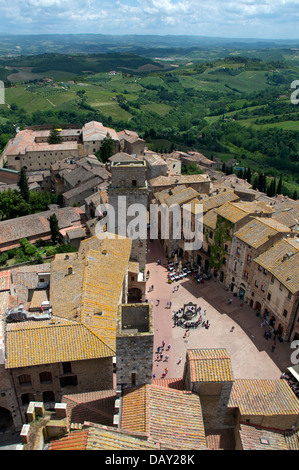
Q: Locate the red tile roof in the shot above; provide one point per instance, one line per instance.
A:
(166, 415)
(76, 440)
(96, 407)
(263, 397)
(4, 280)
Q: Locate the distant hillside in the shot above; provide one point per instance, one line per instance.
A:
(79, 64)
(96, 43)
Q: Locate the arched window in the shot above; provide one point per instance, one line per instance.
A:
(25, 379)
(45, 377)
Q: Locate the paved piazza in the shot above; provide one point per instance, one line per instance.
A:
(250, 352)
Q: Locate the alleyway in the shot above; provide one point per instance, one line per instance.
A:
(250, 352)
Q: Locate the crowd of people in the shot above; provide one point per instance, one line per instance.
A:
(293, 383)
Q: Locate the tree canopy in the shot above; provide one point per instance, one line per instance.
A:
(106, 150)
(54, 137)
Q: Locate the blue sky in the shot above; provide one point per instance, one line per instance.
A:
(273, 19)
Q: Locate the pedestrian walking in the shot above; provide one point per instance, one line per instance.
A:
(163, 343)
(166, 357)
(161, 356)
(180, 360)
(168, 347)
(232, 328)
(273, 348)
(158, 303)
(166, 370)
(152, 287)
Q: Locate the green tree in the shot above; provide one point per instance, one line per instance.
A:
(54, 227)
(39, 201)
(54, 137)
(191, 169)
(271, 190)
(23, 185)
(249, 175)
(279, 186)
(106, 150)
(12, 205)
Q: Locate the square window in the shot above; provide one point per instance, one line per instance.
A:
(67, 367)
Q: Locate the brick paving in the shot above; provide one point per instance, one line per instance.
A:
(250, 352)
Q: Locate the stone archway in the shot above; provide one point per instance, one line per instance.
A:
(6, 421)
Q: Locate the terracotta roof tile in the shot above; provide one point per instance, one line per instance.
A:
(210, 365)
(282, 260)
(216, 201)
(170, 416)
(97, 407)
(76, 440)
(263, 397)
(258, 231)
(258, 438)
(32, 225)
(98, 272)
(46, 343)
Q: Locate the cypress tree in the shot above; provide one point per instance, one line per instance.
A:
(53, 221)
(279, 186)
(248, 175)
(23, 185)
(107, 148)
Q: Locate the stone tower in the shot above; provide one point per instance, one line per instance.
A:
(129, 187)
(134, 345)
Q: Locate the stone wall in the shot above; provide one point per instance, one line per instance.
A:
(92, 375)
(8, 399)
(39, 159)
(134, 345)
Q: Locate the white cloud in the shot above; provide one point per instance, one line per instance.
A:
(243, 18)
